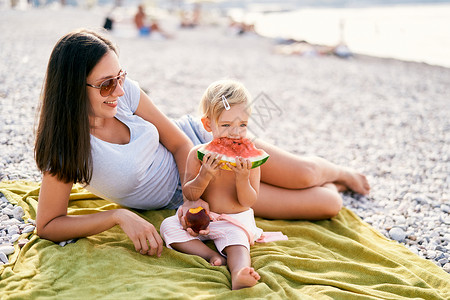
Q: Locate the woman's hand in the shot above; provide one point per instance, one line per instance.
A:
(181, 212)
(142, 233)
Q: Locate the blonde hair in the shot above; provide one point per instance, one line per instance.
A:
(211, 104)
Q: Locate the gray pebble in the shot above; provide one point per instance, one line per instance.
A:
(23, 242)
(11, 222)
(6, 249)
(445, 219)
(398, 234)
(445, 208)
(14, 238)
(3, 258)
(431, 254)
(446, 237)
(414, 249)
(18, 213)
(28, 228)
(8, 211)
(13, 229)
(447, 267)
(399, 219)
(443, 261)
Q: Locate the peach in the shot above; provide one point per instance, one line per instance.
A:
(197, 219)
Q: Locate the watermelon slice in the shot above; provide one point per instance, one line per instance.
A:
(230, 148)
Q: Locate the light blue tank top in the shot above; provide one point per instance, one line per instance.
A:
(141, 174)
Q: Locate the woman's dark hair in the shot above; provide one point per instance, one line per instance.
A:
(62, 145)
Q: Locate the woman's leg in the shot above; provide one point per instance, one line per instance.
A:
(291, 171)
(314, 203)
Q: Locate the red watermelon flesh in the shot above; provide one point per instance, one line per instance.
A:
(230, 148)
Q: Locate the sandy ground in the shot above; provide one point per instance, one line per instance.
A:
(386, 118)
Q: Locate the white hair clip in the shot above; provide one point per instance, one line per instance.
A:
(225, 103)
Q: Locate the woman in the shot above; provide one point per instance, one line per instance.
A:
(99, 128)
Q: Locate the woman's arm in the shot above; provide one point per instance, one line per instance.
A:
(169, 134)
(54, 224)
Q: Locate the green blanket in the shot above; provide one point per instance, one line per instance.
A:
(340, 258)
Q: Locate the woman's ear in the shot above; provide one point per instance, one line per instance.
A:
(206, 124)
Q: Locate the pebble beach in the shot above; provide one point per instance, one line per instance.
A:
(386, 118)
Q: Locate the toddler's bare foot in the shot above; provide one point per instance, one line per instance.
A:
(245, 277)
(218, 260)
(354, 181)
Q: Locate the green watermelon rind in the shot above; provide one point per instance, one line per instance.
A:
(256, 161)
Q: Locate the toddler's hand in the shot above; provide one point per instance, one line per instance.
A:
(242, 168)
(211, 164)
(182, 212)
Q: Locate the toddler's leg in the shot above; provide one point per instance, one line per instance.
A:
(176, 237)
(239, 263)
(197, 247)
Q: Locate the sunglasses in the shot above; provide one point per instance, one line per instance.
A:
(108, 86)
